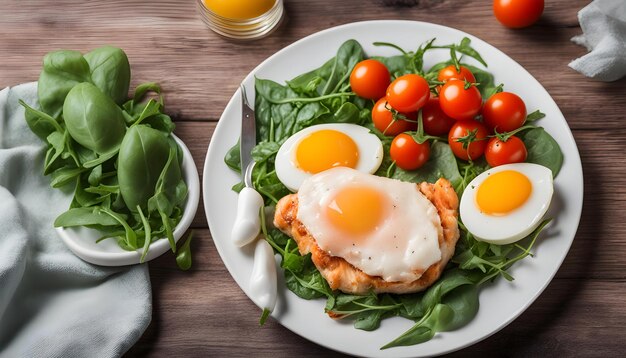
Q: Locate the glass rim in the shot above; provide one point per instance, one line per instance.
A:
(242, 21)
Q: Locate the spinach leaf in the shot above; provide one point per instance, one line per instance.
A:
(143, 154)
(85, 216)
(308, 283)
(65, 175)
(310, 83)
(534, 116)
(183, 258)
(275, 122)
(543, 149)
(62, 70)
(264, 151)
(233, 158)
(485, 80)
(441, 164)
(463, 301)
(349, 54)
(93, 119)
(54, 160)
(333, 74)
(170, 191)
(397, 65)
(447, 305)
(110, 72)
(39, 122)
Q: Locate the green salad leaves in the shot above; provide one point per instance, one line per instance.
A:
(323, 95)
(118, 153)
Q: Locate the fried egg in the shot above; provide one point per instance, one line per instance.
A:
(384, 227)
(324, 146)
(506, 203)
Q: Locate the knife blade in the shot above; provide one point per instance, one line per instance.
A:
(247, 221)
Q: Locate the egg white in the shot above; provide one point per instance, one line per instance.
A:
(520, 222)
(369, 146)
(400, 249)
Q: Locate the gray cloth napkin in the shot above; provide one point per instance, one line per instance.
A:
(604, 34)
(53, 304)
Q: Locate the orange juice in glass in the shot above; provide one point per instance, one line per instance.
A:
(242, 19)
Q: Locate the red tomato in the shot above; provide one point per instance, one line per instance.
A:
(383, 120)
(450, 73)
(467, 139)
(517, 13)
(435, 121)
(504, 112)
(369, 79)
(460, 103)
(408, 93)
(407, 153)
(511, 151)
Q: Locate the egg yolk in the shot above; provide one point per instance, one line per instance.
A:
(239, 9)
(326, 149)
(503, 192)
(357, 210)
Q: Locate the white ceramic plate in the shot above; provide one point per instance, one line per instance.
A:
(500, 302)
(82, 240)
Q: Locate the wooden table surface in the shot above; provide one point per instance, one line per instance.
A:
(203, 312)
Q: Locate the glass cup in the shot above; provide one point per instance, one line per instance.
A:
(242, 19)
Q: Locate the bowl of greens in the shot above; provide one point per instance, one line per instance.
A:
(135, 185)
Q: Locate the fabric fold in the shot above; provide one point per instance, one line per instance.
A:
(53, 304)
(604, 35)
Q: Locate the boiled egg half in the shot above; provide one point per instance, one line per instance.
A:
(506, 203)
(324, 146)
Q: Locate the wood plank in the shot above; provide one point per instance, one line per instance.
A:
(203, 312)
(199, 71)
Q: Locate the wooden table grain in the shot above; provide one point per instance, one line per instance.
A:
(203, 312)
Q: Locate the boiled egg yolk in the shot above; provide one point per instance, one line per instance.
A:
(326, 149)
(357, 210)
(239, 9)
(503, 192)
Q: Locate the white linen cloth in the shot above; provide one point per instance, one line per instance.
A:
(604, 34)
(53, 304)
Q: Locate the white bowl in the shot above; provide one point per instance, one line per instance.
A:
(82, 240)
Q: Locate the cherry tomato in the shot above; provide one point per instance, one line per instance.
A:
(511, 151)
(407, 153)
(450, 73)
(504, 112)
(435, 121)
(383, 119)
(369, 79)
(517, 13)
(408, 93)
(467, 139)
(460, 103)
